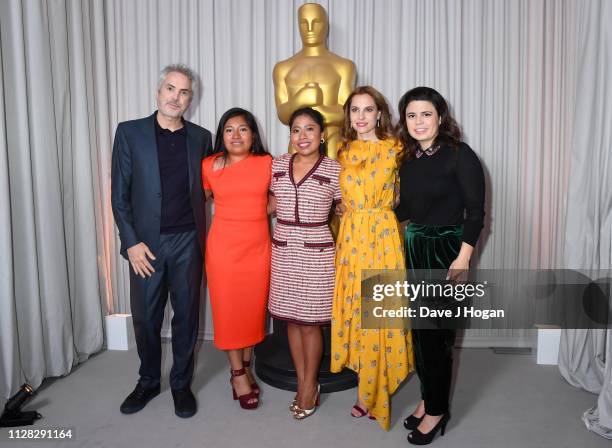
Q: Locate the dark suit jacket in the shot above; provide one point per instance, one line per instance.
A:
(136, 186)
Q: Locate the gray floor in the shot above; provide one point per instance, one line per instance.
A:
(498, 401)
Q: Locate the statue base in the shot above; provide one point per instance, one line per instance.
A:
(274, 366)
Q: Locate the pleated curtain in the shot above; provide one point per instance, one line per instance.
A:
(56, 238)
(71, 70)
(585, 356)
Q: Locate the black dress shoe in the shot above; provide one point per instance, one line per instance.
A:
(138, 399)
(184, 402)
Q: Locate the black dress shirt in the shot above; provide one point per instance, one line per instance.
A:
(176, 211)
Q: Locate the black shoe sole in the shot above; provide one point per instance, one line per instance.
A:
(185, 414)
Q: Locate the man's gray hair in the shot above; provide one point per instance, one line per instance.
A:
(180, 68)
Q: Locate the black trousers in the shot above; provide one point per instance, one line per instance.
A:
(433, 353)
(178, 272)
(430, 248)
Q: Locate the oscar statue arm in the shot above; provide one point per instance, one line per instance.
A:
(284, 106)
(334, 113)
(308, 95)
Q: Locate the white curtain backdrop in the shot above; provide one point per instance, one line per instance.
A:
(73, 69)
(585, 357)
(507, 68)
(52, 130)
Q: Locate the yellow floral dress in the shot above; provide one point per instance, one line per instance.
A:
(368, 238)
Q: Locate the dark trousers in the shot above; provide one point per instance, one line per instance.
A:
(433, 355)
(178, 271)
(431, 248)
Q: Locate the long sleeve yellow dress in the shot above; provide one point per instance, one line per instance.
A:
(368, 238)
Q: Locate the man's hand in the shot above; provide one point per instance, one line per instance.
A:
(138, 259)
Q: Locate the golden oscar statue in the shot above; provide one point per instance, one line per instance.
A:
(318, 78)
(315, 76)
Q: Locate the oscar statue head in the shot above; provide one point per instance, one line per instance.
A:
(312, 20)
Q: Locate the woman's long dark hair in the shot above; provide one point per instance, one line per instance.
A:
(257, 148)
(449, 132)
(316, 117)
(383, 131)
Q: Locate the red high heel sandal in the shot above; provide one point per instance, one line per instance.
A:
(254, 385)
(246, 400)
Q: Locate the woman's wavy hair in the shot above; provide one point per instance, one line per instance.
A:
(257, 148)
(449, 132)
(383, 131)
(317, 117)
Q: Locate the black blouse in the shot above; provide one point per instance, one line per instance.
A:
(445, 188)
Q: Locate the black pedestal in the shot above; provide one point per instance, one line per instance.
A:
(274, 366)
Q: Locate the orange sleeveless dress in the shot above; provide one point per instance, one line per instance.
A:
(238, 250)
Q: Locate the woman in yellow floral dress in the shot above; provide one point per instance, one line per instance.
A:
(368, 238)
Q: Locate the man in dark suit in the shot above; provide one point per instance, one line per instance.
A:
(158, 204)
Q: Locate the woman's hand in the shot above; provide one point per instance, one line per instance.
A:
(271, 208)
(340, 209)
(458, 270)
(396, 195)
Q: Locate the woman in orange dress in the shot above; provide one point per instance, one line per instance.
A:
(237, 177)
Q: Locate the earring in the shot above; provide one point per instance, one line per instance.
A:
(378, 122)
(322, 141)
